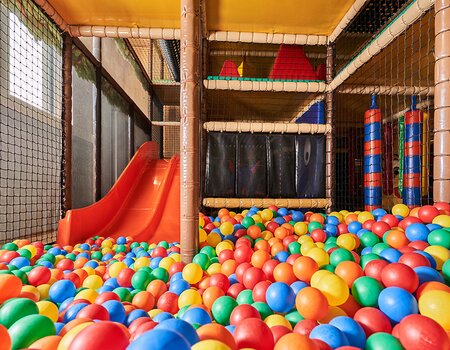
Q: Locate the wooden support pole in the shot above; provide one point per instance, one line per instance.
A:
(66, 178)
(441, 173)
(189, 127)
(330, 173)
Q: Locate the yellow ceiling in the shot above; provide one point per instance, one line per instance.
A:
(265, 16)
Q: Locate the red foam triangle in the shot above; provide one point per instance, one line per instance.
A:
(292, 63)
(229, 69)
(321, 71)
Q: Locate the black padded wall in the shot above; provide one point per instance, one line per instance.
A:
(281, 166)
(310, 150)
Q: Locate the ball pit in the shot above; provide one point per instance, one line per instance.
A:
(268, 278)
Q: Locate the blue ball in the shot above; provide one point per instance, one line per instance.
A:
(333, 220)
(179, 286)
(104, 289)
(428, 274)
(162, 316)
(361, 232)
(160, 339)
(417, 232)
(59, 326)
(433, 227)
(64, 304)
(331, 230)
(128, 261)
(352, 330)
(45, 263)
(197, 315)
(297, 286)
(282, 211)
(176, 276)
(282, 256)
(92, 263)
(121, 240)
(116, 310)
(280, 297)
(330, 335)
(232, 278)
(85, 246)
(182, 327)
(73, 311)
(134, 315)
(279, 220)
(155, 262)
(390, 254)
(55, 251)
(107, 257)
(366, 250)
(379, 212)
(112, 282)
(20, 262)
(298, 216)
(61, 290)
(397, 303)
(230, 328)
(354, 227)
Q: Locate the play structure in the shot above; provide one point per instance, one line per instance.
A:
(224, 175)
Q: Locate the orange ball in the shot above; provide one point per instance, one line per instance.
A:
(274, 240)
(311, 303)
(259, 258)
(262, 245)
(350, 306)
(57, 274)
(72, 324)
(79, 263)
(349, 271)
(317, 218)
(254, 232)
(350, 218)
(281, 232)
(283, 272)
(144, 300)
(295, 341)
(210, 295)
(397, 239)
(157, 288)
(10, 287)
(5, 340)
(288, 227)
(223, 212)
(204, 282)
(429, 286)
(304, 267)
(228, 267)
(276, 248)
(217, 332)
(81, 273)
(414, 212)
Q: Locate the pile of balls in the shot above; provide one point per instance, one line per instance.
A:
(262, 279)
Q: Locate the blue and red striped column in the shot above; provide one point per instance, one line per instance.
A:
(372, 157)
(412, 177)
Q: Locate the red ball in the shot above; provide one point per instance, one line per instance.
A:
(272, 226)
(417, 332)
(291, 259)
(289, 239)
(65, 264)
(400, 275)
(105, 296)
(443, 207)
(253, 333)
(380, 228)
(168, 302)
(374, 268)
(234, 290)
(142, 328)
(418, 245)
(278, 332)
(72, 276)
(209, 227)
(372, 320)
(408, 221)
(319, 235)
(243, 254)
(240, 270)
(268, 268)
(137, 322)
(390, 219)
(219, 280)
(101, 335)
(242, 312)
(305, 327)
(252, 276)
(39, 275)
(124, 277)
(414, 260)
(160, 252)
(321, 345)
(176, 267)
(368, 224)
(225, 255)
(427, 213)
(342, 228)
(259, 291)
(94, 312)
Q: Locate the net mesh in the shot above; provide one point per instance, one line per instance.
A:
(30, 124)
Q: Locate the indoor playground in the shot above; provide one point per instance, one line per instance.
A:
(224, 175)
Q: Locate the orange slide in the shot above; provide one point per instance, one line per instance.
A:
(144, 204)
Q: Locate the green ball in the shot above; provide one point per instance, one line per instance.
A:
(15, 309)
(196, 325)
(294, 317)
(144, 245)
(379, 247)
(263, 309)
(222, 308)
(10, 246)
(369, 239)
(294, 248)
(97, 256)
(141, 279)
(365, 259)
(439, 237)
(47, 247)
(121, 248)
(208, 250)
(12, 267)
(146, 269)
(366, 290)
(124, 294)
(160, 274)
(22, 275)
(134, 245)
(329, 246)
(24, 253)
(163, 244)
(331, 239)
(383, 341)
(247, 221)
(48, 257)
(28, 329)
(339, 255)
(245, 297)
(214, 260)
(313, 226)
(328, 267)
(181, 312)
(27, 269)
(446, 270)
(261, 226)
(134, 292)
(71, 256)
(202, 260)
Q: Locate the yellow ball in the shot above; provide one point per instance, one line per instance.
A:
(31, 289)
(106, 251)
(189, 297)
(307, 246)
(304, 239)
(277, 320)
(334, 288)
(317, 276)
(224, 245)
(346, 241)
(443, 220)
(338, 215)
(300, 228)
(214, 239)
(435, 304)
(344, 213)
(31, 248)
(232, 214)
(216, 223)
(154, 312)
(201, 221)
(68, 338)
(266, 235)
(141, 262)
(214, 268)
(319, 255)
(192, 273)
(227, 228)
(202, 235)
(210, 344)
(333, 311)
(400, 209)
(43, 290)
(89, 270)
(364, 216)
(267, 214)
(93, 282)
(47, 308)
(257, 218)
(166, 262)
(439, 253)
(176, 257)
(88, 294)
(107, 243)
(115, 268)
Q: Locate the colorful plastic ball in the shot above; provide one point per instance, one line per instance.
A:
(334, 288)
(319, 255)
(397, 303)
(28, 329)
(428, 274)
(284, 272)
(5, 339)
(102, 335)
(382, 341)
(372, 320)
(115, 310)
(366, 291)
(39, 275)
(196, 315)
(61, 290)
(417, 232)
(160, 339)
(304, 267)
(242, 312)
(349, 271)
(15, 309)
(278, 320)
(253, 333)
(311, 303)
(339, 255)
(182, 327)
(439, 237)
(435, 304)
(252, 276)
(245, 296)
(280, 297)
(10, 287)
(214, 331)
(442, 220)
(330, 335)
(439, 253)
(400, 209)
(427, 213)
(192, 273)
(189, 297)
(400, 275)
(48, 309)
(222, 308)
(210, 344)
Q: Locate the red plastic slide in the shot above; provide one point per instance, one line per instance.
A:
(144, 203)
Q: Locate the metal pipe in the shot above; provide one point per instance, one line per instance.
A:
(329, 142)
(189, 127)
